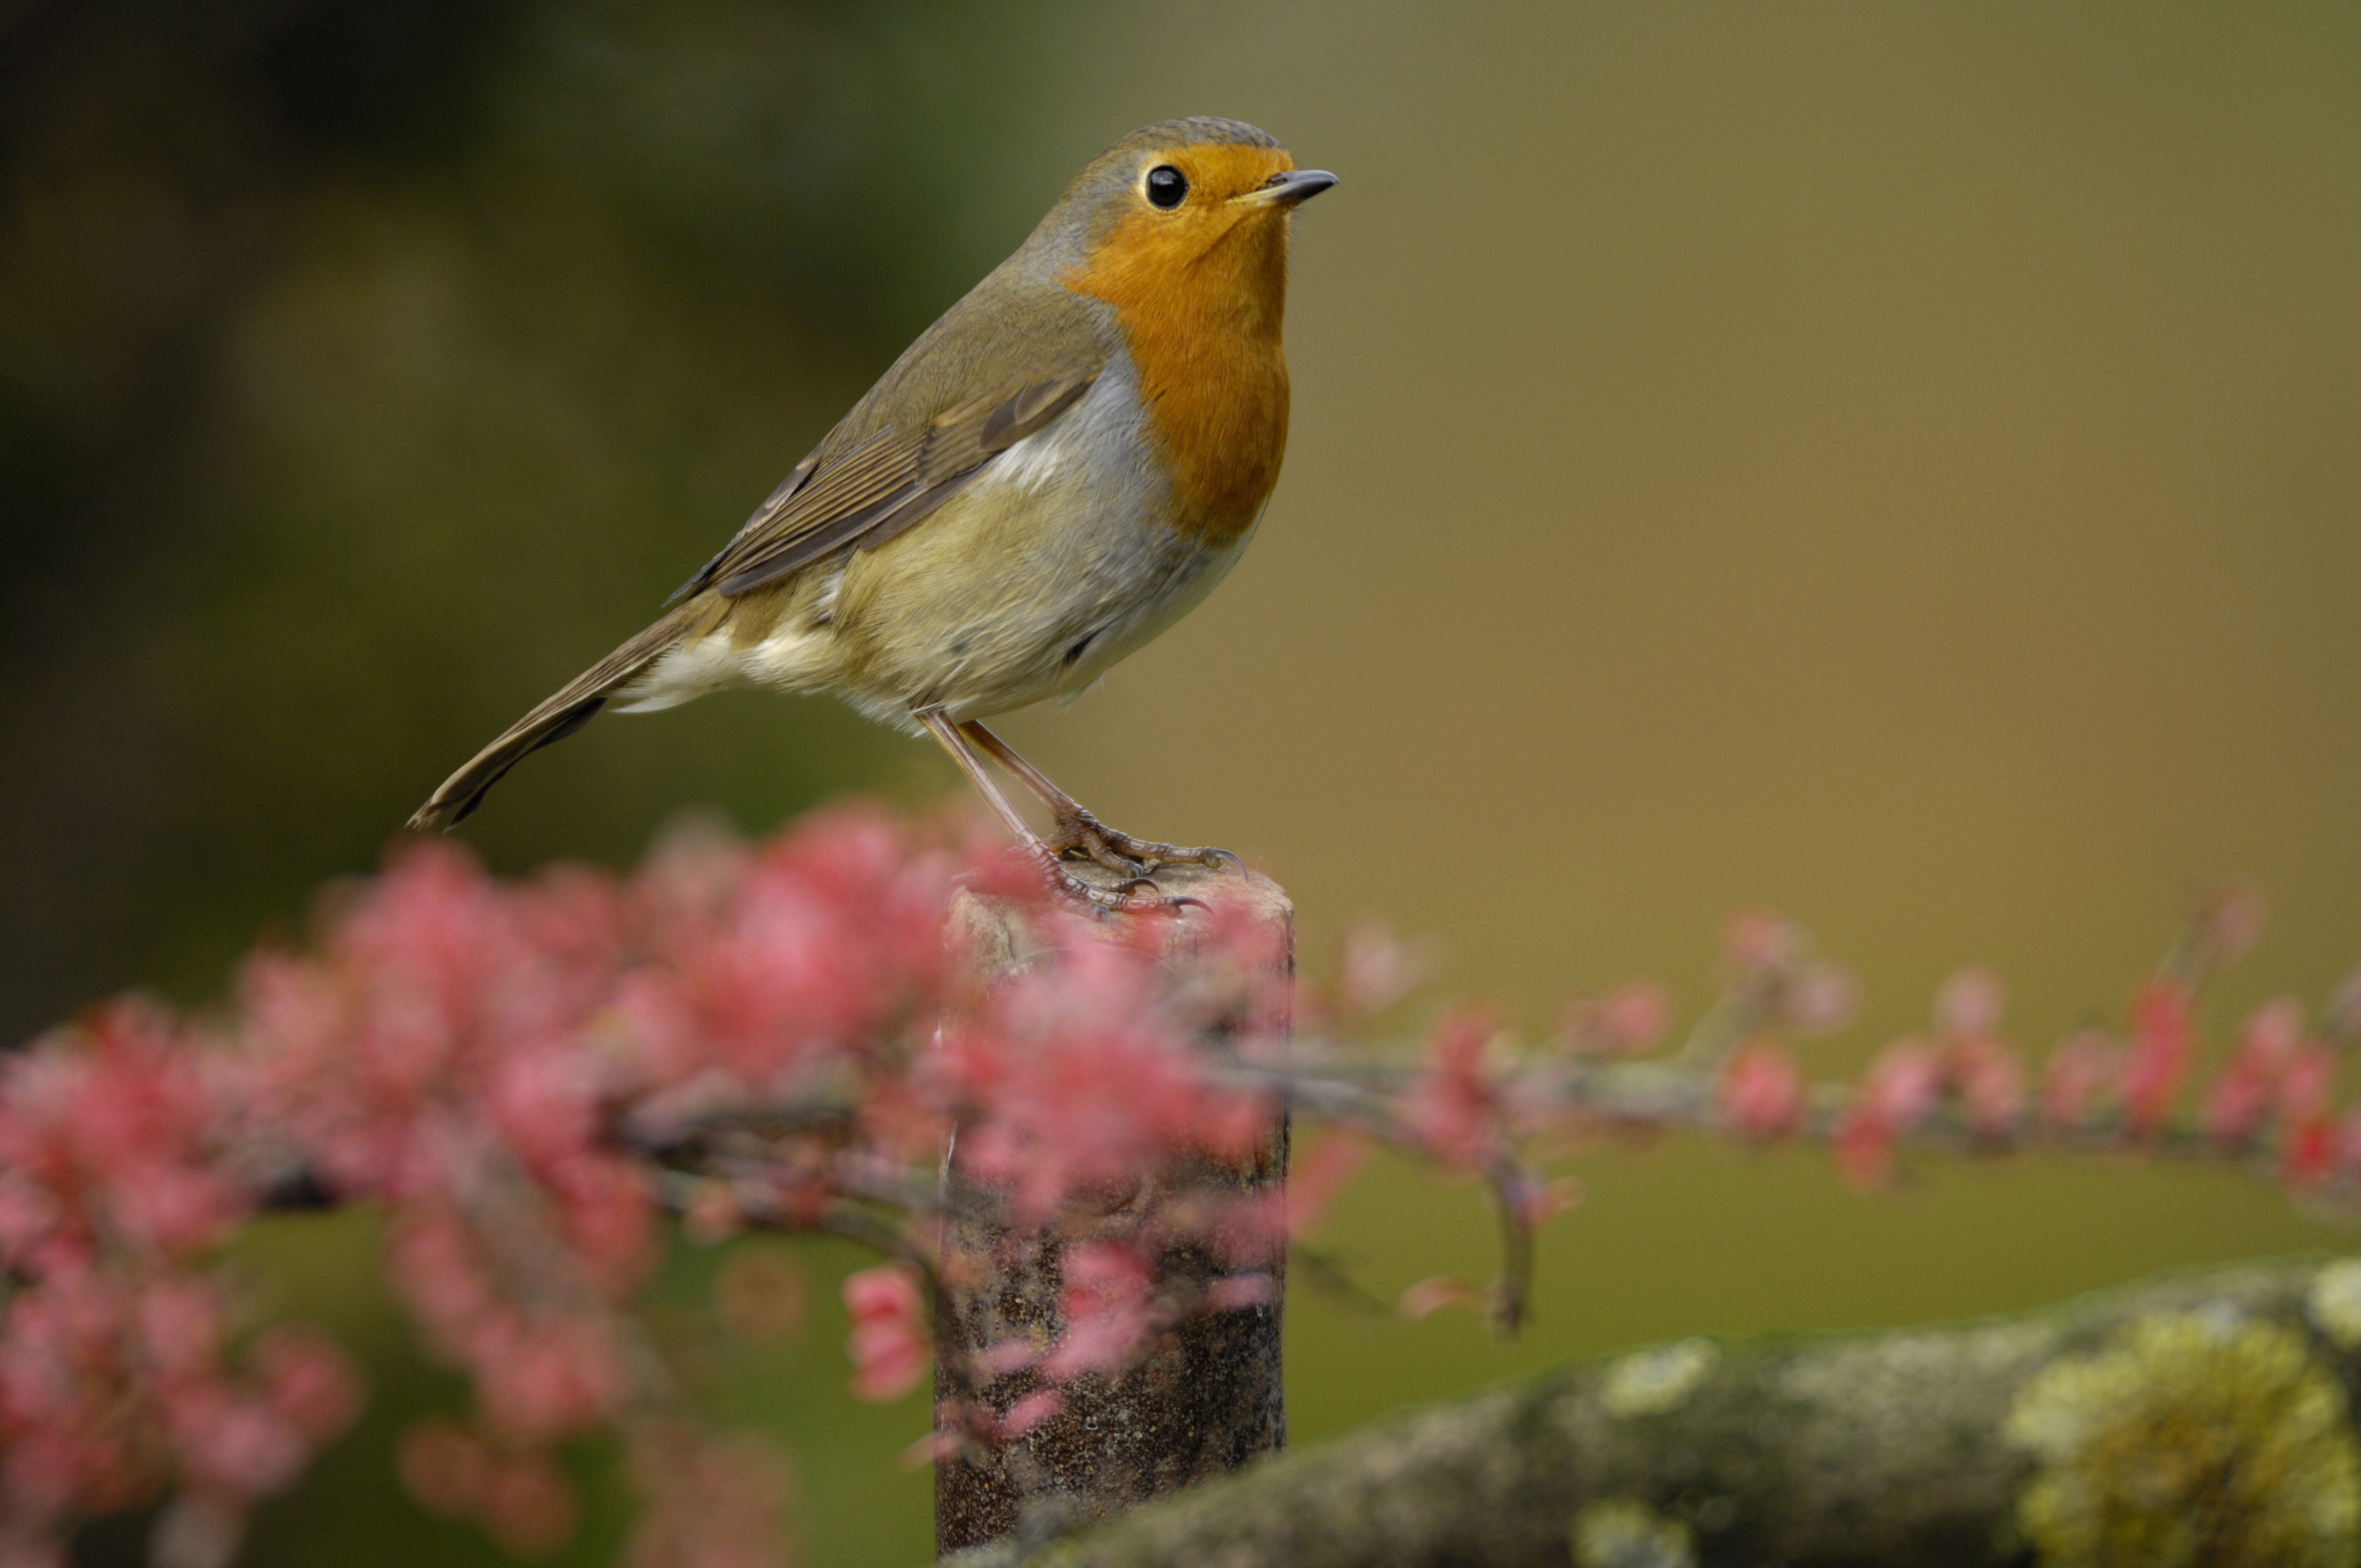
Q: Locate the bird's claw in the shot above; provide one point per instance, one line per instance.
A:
(1123, 898)
(1081, 833)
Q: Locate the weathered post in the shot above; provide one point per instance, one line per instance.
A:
(1208, 1401)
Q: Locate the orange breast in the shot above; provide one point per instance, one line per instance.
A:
(1201, 298)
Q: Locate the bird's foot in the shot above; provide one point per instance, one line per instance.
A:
(1078, 832)
(1135, 895)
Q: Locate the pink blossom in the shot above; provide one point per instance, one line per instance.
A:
(2231, 921)
(1029, 1413)
(1375, 968)
(1007, 1356)
(28, 1215)
(2247, 1088)
(445, 1466)
(1073, 1080)
(180, 1323)
(888, 1344)
(309, 1382)
(442, 1270)
(889, 1291)
(2235, 1103)
(240, 1445)
(1969, 1002)
(2342, 1017)
(1318, 1174)
(119, 1120)
(528, 1505)
(1989, 1078)
(1818, 999)
(1238, 959)
(1761, 1092)
(609, 1216)
(1627, 1021)
(1235, 1292)
(2271, 1034)
(2086, 1065)
(711, 1503)
(1431, 1296)
(1900, 1090)
(2163, 1043)
(1902, 1084)
(545, 1377)
(819, 943)
(2307, 1142)
(2307, 1084)
(1864, 1148)
(1759, 941)
(2347, 1153)
(1239, 1230)
(951, 1435)
(1453, 1108)
(1104, 1303)
(1635, 1015)
(2308, 1152)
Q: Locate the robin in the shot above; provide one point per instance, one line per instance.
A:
(1057, 470)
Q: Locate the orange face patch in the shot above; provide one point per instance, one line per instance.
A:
(1200, 290)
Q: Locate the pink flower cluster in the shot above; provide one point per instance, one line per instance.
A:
(1966, 1083)
(526, 1078)
(888, 1344)
(1457, 1108)
(472, 1055)
(2281, 1073)
(126, 1369)
(1081, 1075)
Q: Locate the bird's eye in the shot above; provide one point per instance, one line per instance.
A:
(1167, 186)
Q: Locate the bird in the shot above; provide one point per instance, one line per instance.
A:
(1054, 472)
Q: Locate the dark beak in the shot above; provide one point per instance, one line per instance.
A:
(1288, 188)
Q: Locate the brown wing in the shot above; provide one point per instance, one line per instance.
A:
(763, 514)
(883, 484)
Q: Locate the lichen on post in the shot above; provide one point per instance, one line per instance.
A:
(2191, 1419)
(1207, 1399)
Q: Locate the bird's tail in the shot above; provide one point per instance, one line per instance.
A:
(567, 711)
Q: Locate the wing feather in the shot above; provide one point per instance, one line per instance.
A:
(888, 481)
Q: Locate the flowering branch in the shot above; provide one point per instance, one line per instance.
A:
(527, 1078)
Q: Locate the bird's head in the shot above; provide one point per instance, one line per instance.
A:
(1184, 215)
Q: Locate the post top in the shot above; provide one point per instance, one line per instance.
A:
(998, 937)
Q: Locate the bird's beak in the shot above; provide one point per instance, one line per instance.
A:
(1288, 188)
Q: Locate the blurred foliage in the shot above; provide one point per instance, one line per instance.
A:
(366, 370)
(852, 1502)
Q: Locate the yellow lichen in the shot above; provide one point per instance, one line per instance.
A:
(1650, 1382)
(2335, 1303)
(2192, 1440)
(1623, 1532)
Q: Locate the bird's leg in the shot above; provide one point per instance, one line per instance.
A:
(1078, 829)
(1052, 868)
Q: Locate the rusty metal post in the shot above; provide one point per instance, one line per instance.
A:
(1208, 1402)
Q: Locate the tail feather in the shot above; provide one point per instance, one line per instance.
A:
(561, 715)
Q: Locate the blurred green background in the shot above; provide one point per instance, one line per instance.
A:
(1897, 462)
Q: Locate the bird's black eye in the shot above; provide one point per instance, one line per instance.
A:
(1167, 186)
